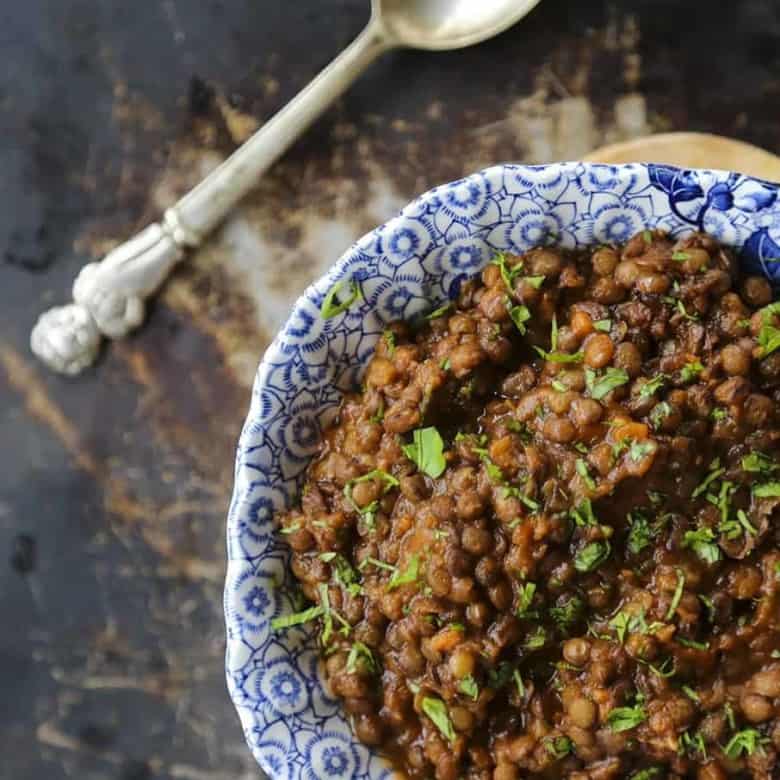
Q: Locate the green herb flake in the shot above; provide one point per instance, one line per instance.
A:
(407, 576)
(714, 472)
(558, 747)
(427, 451)
(444, 364)
(507, 274)
(567, 613)
(525, 599)
(719, 414)
(639, 450)
(536, 640)
(745, 742)
(327, 556)
(290, 529)
(519, 684)
(767, 490)
(690, 693)
(646, 774)
(601, 385)
(702, 542)
(583, 514)
(297, 619)
(592, 555)
(377, 563)
(582, 469)
(692, 643)
(680, 257)
(769, 334)
(437, 711)
(691, 744)
(605, 326)
(534, 281)
(361, 658)
(758, 463)
(559, 357)
(500, 676)
(440, 312)
(559, 386)
(389, 338)
(626, 718)
(647, 236)
(335, 303)
(652, 386)
(640, 534)
(678, 593)
(468, 686)
(520, 315)
(690, 371)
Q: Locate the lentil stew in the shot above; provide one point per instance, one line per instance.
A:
(543, 539)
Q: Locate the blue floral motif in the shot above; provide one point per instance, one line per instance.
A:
(293, 726)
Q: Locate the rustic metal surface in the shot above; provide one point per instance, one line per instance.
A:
(114, 485)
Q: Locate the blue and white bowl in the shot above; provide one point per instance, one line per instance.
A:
(295, 729)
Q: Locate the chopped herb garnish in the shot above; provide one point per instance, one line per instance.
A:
(500, 676)
(407, 576)
(290, 529)
(758, 463)
(692, 643)
(559, 357)
(520, 315)
(665, 670)
(427, 451)
(534, 281)
(641, 533)
(444, 365)
(690, 693)
(767, 490)
(379, 564)
(519, 683)
(702, 542)
(626, 718)
(436, 710)
(507, 274)
(744, 742)
(678, 592)
(360, 656)
(334, 303)
(327, 556)
(468, 686)
(389, 338)
(718, 414)
(559, 386)
(603, 325)
(680, 257)
(567, 613)
(582, 469)
(639, 449)
(730, 719)
(558, 747)
(690, 371)
(769, 335)
(646, 774)
(592, 555)
(583, 514)
(652, 386)
(525, 598)
(440, 312)
(599, 386)
(692, 744)
(297, 619)
(714, 473)
(536, 640)
(647, 236)
(659, 413)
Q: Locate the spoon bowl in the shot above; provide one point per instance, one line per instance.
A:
(447, 24)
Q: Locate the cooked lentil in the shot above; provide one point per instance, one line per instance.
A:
(543, 540)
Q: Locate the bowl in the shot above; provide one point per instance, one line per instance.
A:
(407, 266)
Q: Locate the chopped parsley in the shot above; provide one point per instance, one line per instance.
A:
(626, 718)
(715, 471)
(744, 742)
(680, 257)
(758, 463)
(559, 386)
(500, 676)
(659, 413)
(583, 514)
(297, 618)
(638, 450)
(335, 303)
(690, 371)
(692, 643)
(553, 356)
(369, 512)
(440, 312)
(647, 236)
(652, 386)
(468, 686)
(520, 315)
(640, 534)
(526, 597)
(702, 542)
(519, 683)
(389, 338)
(678, 592)
(558, 747)
(427, 451)
(437, 711)
(690, 693)
(408, 576)
(646, 774)
(291, 529)
(769, 335)
(361, 658)
(592, 555)
(719, 414)
(582, 469)
(767, 490)
(601, 385)
(534, 281)
(567, 613)
(691, 744)
(507, 274)
(603, 325)
(536, 640)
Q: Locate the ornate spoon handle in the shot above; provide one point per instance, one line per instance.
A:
(109, 295)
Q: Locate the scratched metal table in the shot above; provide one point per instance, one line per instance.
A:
(113, 486)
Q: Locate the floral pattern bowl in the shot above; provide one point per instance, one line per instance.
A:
(407, 266)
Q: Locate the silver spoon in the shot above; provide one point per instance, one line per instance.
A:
(109, 295)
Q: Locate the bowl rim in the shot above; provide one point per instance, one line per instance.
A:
(316, 292)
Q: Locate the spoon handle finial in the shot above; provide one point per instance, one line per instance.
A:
(109, 295)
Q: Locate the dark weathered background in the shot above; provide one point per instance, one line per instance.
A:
(113, 486)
